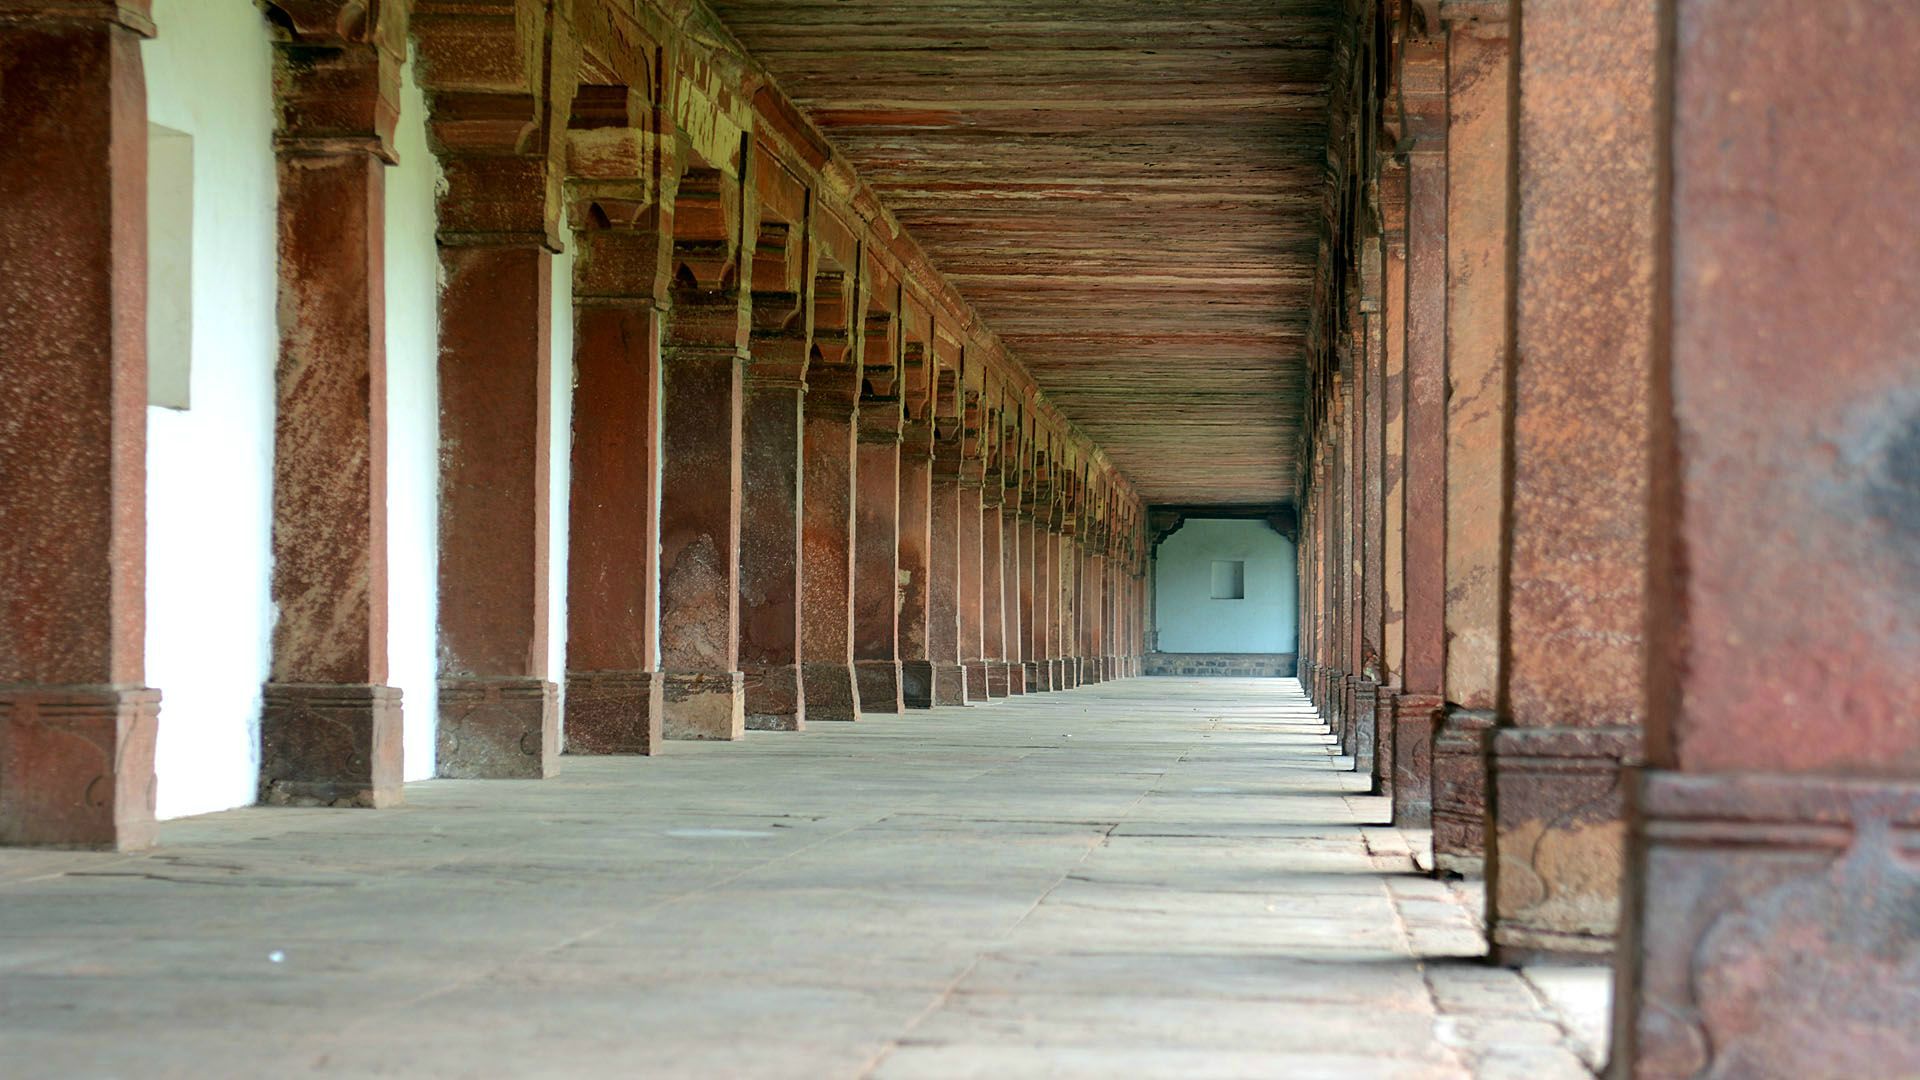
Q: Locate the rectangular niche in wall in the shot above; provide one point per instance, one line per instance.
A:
(1229, 580)
(169, 267)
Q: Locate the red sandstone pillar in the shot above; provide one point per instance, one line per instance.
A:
(77, 726)
(1478, 284)
(993, 645)
(1393, 522)
(1772, 889)
(1573, 672)
(1053, 573)
(770, 531)
(700, 432)
(876, 596)
(944, 584)
(1423, 76)
(972, 586)
(498, 708)
(918, 658)
(827, 583)
(773, 399)
(1371, 423)
(1010, 577)
(330, 729)
(614, 699)
(1093, 667)
(1031, 611)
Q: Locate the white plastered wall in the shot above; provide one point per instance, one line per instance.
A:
(413, 429)
(1191, 621)
(210, 467)
(561, 472)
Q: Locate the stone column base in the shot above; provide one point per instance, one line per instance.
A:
(1057, 674)
(614, 712)
(997, 678)
(1553, 885)
(1349, 692)
(976, 672)
(918, 683)
(1016, 678)
(1036, 675)
(1770, 929)
(1414, 716)
(1460, 791)
(949, 684)
(330, 744)
(1089, 670)
(504, 728)
(775, 701)
(878, 682)
(76, 766)
(704, 704)
(831, 692)
(1070, 671)
(1385, 699)
(1364, 694)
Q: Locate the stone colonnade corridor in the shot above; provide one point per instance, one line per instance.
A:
(1155, 877)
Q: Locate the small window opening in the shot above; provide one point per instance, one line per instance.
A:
(169, 267)
(1229, 580)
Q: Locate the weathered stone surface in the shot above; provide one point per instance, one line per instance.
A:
(700, 543)
(1102, 908)
(1479, 158)
(77, 728)
(613, 702)
(1583, 340)
(330, 744)
(76, 767)
(498, 727)
(495, 441)
(1222, 665)
(770, 553)
(614, 712)
(1771, 894)
(876, 595)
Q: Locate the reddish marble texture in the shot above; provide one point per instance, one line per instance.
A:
(77, 727)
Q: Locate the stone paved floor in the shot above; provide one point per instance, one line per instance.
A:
(1152, 878)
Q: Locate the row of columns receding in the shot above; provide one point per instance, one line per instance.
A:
(800, 488)
(1597, 540)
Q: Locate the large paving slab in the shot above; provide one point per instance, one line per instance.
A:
(1152, 878)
